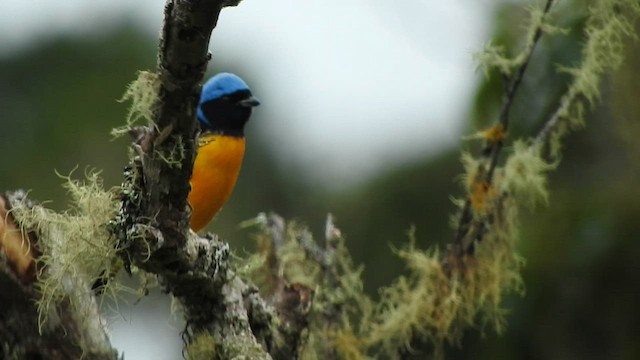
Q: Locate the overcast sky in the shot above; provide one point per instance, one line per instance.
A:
(361, 84)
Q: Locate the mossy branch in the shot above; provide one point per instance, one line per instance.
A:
(447, 293)
(609, 24)
(220, 309)
(471, 228)
(322, 300)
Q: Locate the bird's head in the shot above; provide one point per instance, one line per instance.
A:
(225, 105)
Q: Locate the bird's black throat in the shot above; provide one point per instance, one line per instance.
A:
(225, 115)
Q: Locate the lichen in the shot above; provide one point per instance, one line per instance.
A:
(525, 174)
(340, 311)
(495, 57)
(203, 347)
(143, 94)
(609, 24)
(443, 295)
(77, 249)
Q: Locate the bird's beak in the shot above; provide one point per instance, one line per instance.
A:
(249, 102)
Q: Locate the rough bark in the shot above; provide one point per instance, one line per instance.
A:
(152, 226)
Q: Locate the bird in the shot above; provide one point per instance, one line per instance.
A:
(225, 106)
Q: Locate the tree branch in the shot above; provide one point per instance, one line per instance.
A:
(219, 308)
(470, 229)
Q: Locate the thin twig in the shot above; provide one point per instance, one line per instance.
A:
(548, 127)
(493, 149)
(551, 124)
(510, 96)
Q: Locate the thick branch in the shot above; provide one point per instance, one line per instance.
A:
(220, 309)
(182, 62)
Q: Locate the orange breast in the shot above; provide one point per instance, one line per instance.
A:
(215, 172)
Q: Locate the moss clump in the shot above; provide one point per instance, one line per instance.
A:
(203, 347)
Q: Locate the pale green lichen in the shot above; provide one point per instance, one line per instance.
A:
(439, 299)
(436, 302)
(525, 174)
(293, 264)
(203, 347)
(470, 166)
(494, 57)
(143, 94)
(341, 311)
(341, 297)
(77, 249)
(609, 24)
(238, 348)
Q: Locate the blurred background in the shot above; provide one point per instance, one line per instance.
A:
(365, 104)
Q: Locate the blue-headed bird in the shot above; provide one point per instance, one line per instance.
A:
(224, 108)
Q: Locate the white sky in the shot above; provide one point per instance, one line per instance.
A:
(361, 84)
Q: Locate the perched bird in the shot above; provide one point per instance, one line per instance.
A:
(225, 106)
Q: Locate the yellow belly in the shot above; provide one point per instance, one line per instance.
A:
(215, 172)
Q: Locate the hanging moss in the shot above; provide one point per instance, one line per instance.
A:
(76, 249)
